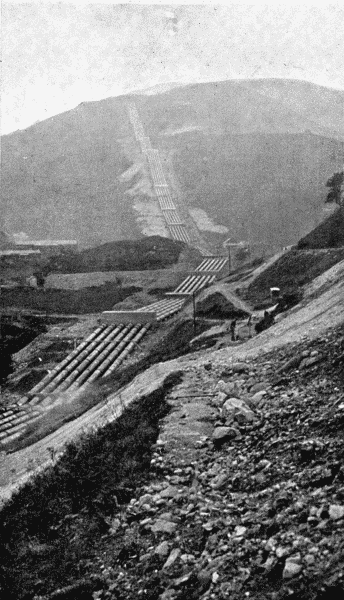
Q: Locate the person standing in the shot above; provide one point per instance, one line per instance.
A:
(249, 323)
(232, 328)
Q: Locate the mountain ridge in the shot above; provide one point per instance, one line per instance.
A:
(62, 176)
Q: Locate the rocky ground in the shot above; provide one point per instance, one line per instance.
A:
(245, 497)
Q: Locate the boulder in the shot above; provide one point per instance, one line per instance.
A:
(292, 363)
(163, 549)
(257, 397)
(336, 512)
(292, 567)
(308, 362)
(238, 410)
(258, 387)
(239, 367)
(223, 434)
(227, 387)
(239, 531)
(162, 526)
(220, 481)
(219, 399)
(169, 492)
(172, 558)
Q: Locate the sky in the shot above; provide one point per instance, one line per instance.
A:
(57, 55)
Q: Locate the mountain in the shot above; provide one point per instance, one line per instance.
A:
(245, 158)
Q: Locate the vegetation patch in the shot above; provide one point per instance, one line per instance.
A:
(152, 252)
(83, 301)
(216, 306)
(329, 234)
(292, 271)
(15, 335)
(50, 529)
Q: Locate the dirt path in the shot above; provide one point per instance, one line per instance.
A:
(320, 310)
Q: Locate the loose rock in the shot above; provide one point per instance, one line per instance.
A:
(172, 558)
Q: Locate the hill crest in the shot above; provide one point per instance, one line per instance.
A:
(248, 157)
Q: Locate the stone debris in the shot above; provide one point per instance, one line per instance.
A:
(163, 526)
(336, 512)
(292, 567)
(237, 410)
(254, 506)
(172, 558)
(162, 549)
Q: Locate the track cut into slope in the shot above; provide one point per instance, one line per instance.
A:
(321, 308)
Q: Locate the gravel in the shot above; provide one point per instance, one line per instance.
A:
(253, 510)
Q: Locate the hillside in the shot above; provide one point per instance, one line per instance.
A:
(315, 254)
(254, 156)
(292, 271)
(329, 234)
(147, 253)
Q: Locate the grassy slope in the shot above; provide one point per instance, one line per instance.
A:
(67, 187)
(152, 252)
(292, 271)
(265, 187)
(329, 234)
(318, 251)
(83, 301)
(257, 165)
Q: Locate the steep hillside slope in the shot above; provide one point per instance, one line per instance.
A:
(267, 188)
(60, 176)
(315, 254)
(329, 234)
(253, 155)
(293, 270)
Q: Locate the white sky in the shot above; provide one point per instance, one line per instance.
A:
(56, 55)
